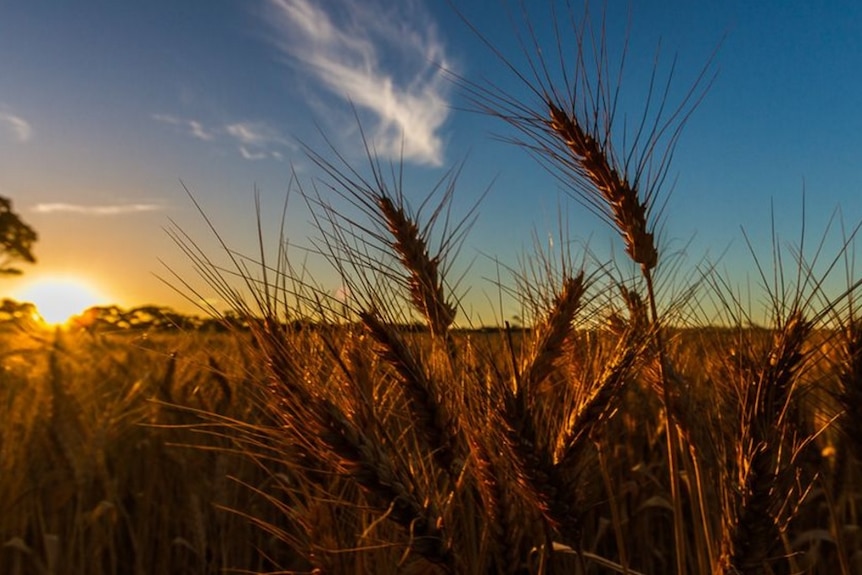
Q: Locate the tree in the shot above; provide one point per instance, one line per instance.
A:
(16, 239)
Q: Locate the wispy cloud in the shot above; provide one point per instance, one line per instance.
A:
(192, 127)
(254, 140)
(18, 126)
(385, 58)
(249, 133)
(102, 210)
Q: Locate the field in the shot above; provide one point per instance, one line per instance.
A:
(622, 429)
(367, 448)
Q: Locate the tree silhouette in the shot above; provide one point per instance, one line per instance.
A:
(16, 239)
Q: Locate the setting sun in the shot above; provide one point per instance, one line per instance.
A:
(57, 299)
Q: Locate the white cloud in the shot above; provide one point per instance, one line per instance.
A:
(103, 210)
(198, 131)
(382, 62)
(19, 127)
(194, 128)
(249, 133)
(249, 155)
(256, 140)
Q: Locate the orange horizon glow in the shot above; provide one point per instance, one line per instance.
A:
(58, 299)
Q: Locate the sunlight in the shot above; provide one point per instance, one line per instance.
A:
(58, 299)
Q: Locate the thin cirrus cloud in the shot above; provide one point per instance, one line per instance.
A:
(102, 210)
(254, 140)
(384, 60)
(192, 127)
(18, 126)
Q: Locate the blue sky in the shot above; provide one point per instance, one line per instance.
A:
(105, 107)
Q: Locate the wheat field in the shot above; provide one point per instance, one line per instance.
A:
(620, 431)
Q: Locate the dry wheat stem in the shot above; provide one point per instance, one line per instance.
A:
(522, 411)
(540, 480)
(435, 425)
(505, 523)
(603, 400)
(553, 333)
(629, 213)
(425, 283)
(360, 457)
(531, 458)
(766, 478)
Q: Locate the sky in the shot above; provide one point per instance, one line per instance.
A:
(109, 111)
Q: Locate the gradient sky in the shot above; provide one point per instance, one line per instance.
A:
(106, 107)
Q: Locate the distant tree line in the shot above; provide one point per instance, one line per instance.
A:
(111, 317)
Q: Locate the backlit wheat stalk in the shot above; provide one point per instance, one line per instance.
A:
(765, 479)
(569, 126)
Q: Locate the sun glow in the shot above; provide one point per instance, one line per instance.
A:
(58, 299)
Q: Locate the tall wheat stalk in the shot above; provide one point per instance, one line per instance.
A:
(765, 485)
(570, 127)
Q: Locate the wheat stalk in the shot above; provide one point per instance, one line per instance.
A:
(505, 521)
(592, 162)
(433, 419)
(765, 477)
(425, 283)
(526, 429)
(569, 127)
(324, 434)
(552, 334)
(362, 458)
(603, 398)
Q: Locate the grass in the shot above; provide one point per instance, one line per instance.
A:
(618, 433)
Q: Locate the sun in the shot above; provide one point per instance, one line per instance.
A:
(58, 299)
